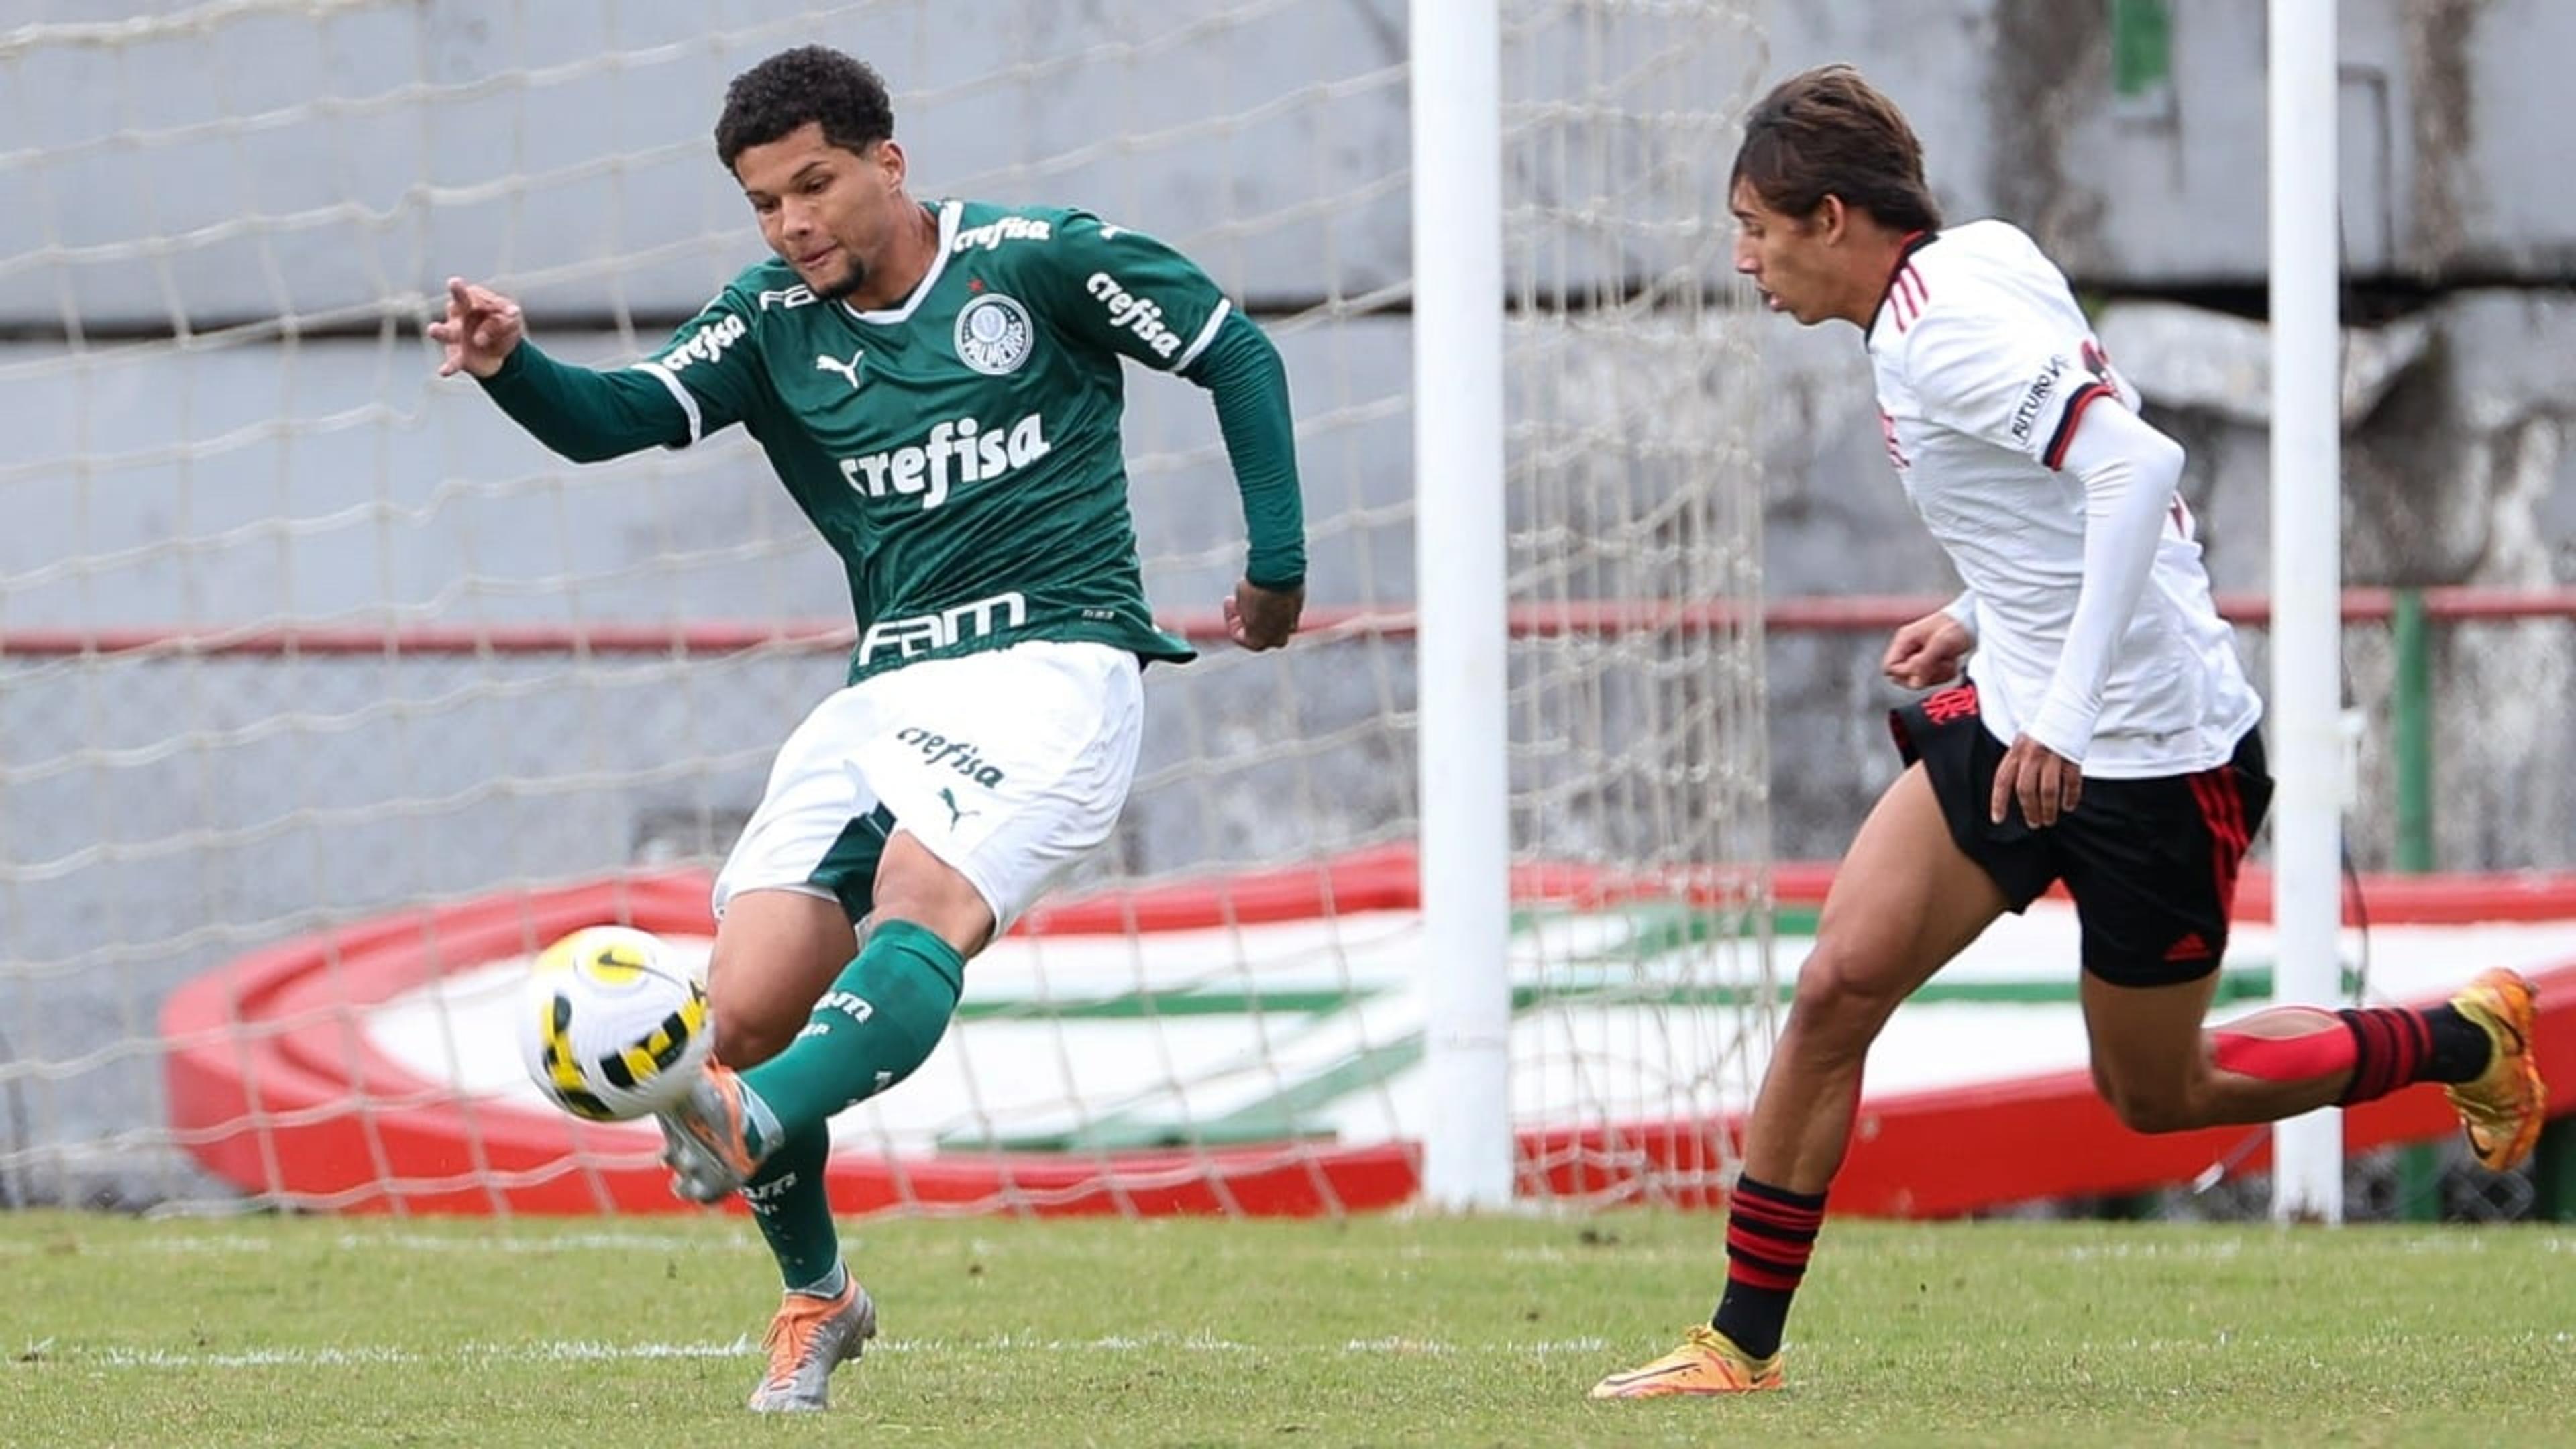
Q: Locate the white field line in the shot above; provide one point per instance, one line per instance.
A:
(246, 1245)
(361, 1356)
(1402, 1347)
(594, 1351)
(2444, 1243)
(2437, 1244)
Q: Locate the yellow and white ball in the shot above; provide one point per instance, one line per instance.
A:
(612, 1026)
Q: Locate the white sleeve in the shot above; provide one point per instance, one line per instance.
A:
(1964, 610)
(2006, 374)
(2129, 471)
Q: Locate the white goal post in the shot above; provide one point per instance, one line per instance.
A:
(2307, 569)
(1462, 660)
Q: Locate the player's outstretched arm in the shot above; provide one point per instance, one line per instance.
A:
(584, 415)
(1243, 373)
(479, 332)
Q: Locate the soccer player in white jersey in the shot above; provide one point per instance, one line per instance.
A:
(2103, 737)
(938, 385)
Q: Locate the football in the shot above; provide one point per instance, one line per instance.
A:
(612, 1027)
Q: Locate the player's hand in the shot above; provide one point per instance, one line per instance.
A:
(1927, 652)
(1259, 618)
(2045, 782)
(480, 330)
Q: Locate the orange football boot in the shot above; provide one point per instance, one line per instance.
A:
(1708, 1362)
(2503, 1108)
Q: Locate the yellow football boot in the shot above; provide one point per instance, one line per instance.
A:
(1708, 1362)
(2503, 1108)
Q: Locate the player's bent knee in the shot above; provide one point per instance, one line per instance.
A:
(750, 1029)
(775, 952)
(2164, 1108)
(760, 1003)
(1839, 1002)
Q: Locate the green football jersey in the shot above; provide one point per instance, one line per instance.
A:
(960, 450)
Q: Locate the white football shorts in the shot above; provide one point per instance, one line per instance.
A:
(1008, 765)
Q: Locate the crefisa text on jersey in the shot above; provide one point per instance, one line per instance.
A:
(979, 453)
(707, 343)
(1138, 314)
(993, 233)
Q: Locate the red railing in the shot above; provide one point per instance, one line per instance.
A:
(1809, 614)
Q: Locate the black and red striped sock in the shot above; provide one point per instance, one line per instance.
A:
(1770, 1232)
(2395, 1045)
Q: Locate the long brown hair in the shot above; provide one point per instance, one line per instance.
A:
(1826, 132)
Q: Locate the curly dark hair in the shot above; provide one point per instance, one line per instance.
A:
(1826, 132)
(810, 84)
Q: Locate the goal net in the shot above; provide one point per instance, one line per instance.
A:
(327, 697)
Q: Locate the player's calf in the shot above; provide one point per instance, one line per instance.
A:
(2365, 1053)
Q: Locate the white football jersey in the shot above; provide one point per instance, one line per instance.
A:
(1985, 366)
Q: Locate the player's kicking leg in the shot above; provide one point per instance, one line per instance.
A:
(884, 1012)
(1904, 901)
(776, 952)
(856, 811)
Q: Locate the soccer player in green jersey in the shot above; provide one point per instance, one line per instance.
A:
(938, 385)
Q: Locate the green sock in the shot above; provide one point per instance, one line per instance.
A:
(787, 1198)
(877, 1023)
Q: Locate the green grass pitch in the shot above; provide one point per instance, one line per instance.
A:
(340, 1332)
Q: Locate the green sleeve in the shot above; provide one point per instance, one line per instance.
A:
(583, 414)
(1242, 371)
(1125, 292)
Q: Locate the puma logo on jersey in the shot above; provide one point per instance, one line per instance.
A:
(962, 451)
(1140, 315)
(849, 369)
(956, 813)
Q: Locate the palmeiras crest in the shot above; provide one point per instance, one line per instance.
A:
(994, 335)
